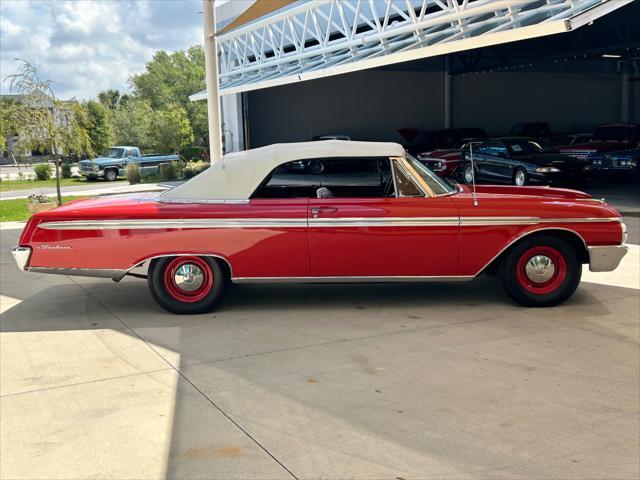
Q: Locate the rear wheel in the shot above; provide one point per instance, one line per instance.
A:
(541, 271)
(468, 173)
(520, 178)
(187, 284)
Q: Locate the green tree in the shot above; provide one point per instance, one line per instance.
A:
(11, 114)
(101, 130)
(133, 124)
(169, 79)
(171, 129)
(109, 98)
(46, 122)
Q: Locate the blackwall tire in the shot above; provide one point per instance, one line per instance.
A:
(541, 271)
(208, 283)
(467, 174)
(520, 178)
(110, 175)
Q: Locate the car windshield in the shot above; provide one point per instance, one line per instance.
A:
(524, 147)
(114, 153)
(438, 185)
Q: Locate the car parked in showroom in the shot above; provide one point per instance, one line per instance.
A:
(113, 162)
(448, 138)
(521, 161)
(620, 163)
(606, 138)
(249, 219)
(445, 161)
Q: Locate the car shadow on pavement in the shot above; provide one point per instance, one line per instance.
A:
(393, 380)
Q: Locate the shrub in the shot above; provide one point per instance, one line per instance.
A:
(43, 171)
(132, 171)
(168, 171)
(65, 170)
(191, 169)
(192, 153)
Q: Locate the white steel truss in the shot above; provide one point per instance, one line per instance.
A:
(320, 38)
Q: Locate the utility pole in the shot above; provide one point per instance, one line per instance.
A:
(211, 65)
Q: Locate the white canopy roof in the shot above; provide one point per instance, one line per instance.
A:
(238, 174)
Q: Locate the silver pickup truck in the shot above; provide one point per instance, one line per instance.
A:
(111, 165)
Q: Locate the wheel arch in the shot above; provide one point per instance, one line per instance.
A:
(225, 262)
(571, 236)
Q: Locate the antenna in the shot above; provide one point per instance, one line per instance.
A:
(473, 174)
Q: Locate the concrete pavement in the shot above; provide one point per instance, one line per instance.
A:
(362, 381)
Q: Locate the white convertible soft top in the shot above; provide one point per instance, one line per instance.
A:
(238, 175)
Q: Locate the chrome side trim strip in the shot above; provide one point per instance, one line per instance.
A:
(154, 224)
(363, 279)
(606, 258)
(82, 272)
(384, 222)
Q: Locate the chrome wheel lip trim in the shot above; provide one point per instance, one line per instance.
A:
(540, 269)
(188, 277)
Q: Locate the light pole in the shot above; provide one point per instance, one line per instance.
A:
(211, 66)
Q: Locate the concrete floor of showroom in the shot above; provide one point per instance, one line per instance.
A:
(363, 381)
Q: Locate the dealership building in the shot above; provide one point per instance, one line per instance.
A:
(292, 70)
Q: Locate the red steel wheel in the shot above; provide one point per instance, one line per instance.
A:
(188, 279)
(187, 284)
(541, 270)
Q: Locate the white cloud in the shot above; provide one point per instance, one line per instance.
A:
(86, 46)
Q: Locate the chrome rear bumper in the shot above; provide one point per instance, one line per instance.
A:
(21, 256)
(606, 258)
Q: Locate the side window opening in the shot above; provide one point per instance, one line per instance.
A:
(356, 177)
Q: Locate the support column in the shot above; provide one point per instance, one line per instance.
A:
(625, 107)
(211, 66)
(447, 94)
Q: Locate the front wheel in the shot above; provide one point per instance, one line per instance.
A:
(541, 271)
(187, 284)
(110, 175)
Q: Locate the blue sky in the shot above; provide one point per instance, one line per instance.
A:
(86, 46)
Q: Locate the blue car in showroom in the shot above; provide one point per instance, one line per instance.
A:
(621, 162)
(521, 161)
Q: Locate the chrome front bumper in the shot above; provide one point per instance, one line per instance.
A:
(606, 258)
(21, 256)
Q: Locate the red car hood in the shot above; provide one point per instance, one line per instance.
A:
(563, 193)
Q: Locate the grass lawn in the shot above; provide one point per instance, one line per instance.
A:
(9, 185)
(16, 210)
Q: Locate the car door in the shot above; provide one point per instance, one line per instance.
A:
(399, 232)
(491, 161)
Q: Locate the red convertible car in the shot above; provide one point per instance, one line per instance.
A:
(385, 218)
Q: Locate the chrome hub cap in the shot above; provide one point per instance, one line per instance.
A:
(188, 277)
(540, 269)
(519, 179)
